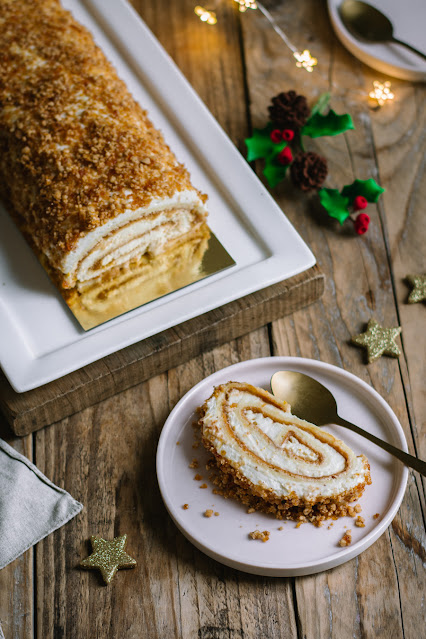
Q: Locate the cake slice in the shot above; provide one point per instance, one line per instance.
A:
(275, 462)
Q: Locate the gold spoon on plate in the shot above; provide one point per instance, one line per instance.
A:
(368, 23)
(313, 402)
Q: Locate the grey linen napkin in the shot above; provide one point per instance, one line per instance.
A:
(31, 506)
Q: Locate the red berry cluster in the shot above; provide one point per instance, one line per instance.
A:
(285, 156)
(362, 220)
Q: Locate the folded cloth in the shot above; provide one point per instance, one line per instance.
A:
(31, 506)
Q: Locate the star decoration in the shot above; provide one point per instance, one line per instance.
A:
(418, 294)
(108, 556)
(378, 341)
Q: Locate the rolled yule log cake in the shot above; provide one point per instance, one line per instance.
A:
(88, 179)
(275, 462)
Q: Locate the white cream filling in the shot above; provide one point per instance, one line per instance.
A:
(276, 454)
(293, 445)
(139, 237)
(275, 448)
(131, 234)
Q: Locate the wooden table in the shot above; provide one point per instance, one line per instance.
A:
(104, 455)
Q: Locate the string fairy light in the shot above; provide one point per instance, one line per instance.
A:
(381, 92)
(246, 4)
(209, 17)
(304, 59)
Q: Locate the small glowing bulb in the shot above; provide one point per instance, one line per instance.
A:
(381, 92)
(246, 4)
(305, 60)
(209, 17)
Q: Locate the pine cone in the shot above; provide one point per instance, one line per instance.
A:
(289, 110)
(308, 171)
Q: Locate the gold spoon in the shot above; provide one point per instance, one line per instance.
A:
(368, 23)
(313, 402)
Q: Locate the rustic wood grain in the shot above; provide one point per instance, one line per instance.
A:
(105, 455)
(27, 412)
(388, 579)
(16, 579)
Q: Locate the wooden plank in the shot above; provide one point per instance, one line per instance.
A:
(381, 591)
(27, 412)
(16, 579)
(400, 141)
(400, 146)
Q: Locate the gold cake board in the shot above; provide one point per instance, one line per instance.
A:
(198, 257)
(30, 411)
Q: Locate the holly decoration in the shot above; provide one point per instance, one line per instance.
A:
(308, 171)
(290, 111)
(288, 135)
(285, 157)
(320, 125)
(360, 203)
(280, 145)
(350, 200)
(263, 145)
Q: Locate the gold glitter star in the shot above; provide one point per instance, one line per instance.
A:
(378, 340)
(108, 556)
(418, 294)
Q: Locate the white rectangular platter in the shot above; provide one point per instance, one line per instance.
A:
(39, 338)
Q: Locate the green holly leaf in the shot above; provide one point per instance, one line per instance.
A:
(367, 188)
(334, 203)
(260, 144)
(274, 171)
(330, 124)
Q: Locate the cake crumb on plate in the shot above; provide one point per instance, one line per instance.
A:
(263, 536)
(346, 540)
